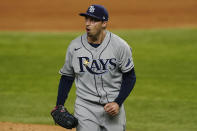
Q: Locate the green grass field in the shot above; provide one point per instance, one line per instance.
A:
(164, 98)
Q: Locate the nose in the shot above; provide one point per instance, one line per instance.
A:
(87, 22)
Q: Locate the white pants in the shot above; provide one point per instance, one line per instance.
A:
(92, 117)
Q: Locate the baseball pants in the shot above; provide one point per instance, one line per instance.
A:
(92, 117)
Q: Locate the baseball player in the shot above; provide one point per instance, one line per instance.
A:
(102, 67)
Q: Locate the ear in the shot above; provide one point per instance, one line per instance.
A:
(104, 24)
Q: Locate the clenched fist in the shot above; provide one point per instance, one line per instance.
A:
(112, 108)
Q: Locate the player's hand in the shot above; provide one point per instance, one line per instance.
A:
(112, 108)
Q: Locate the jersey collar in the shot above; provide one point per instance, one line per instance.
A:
(101, 47)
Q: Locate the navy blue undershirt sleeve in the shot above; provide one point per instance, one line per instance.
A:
(128, 82)
(65, 85)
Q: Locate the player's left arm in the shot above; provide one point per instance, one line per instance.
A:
(128, 82)
(128, 79)
(127, 85)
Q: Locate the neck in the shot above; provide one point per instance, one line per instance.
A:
(97, 39)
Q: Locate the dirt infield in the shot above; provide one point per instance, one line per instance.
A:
(7, 126)
(62, 15)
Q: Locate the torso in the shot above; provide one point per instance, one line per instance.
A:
(97, 73)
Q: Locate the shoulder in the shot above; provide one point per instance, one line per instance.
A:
(118, 42)
(75, 43)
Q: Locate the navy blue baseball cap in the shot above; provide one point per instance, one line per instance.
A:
(96, 11)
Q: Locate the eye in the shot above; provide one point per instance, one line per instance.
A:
(91, 19)
(95, 20)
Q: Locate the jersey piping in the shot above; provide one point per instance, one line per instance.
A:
(105, 46)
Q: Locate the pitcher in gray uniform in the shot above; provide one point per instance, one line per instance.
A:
(102, 67)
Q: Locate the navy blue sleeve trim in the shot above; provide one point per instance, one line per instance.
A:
(128, 82)
(65, 85)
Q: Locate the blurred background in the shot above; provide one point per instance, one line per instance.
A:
(62, 15)
(34, 35)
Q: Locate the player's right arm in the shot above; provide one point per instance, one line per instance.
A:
(67, 78)
(65, 85)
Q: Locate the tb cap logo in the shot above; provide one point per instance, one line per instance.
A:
(91, 9)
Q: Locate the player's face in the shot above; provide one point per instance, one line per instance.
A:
(94, 26)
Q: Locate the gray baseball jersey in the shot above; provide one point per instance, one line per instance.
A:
(98, 71)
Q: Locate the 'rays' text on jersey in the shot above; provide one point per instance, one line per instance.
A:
(96, 66)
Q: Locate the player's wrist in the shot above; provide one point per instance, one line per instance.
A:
(118, 102)
(56, 107)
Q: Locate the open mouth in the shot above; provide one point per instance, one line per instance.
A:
(87, 29)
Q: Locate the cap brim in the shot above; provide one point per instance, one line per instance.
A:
(91, 15)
